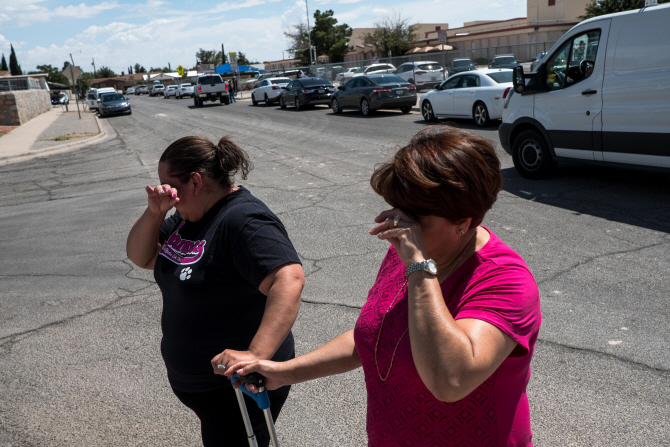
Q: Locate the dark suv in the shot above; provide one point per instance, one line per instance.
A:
(459, 65)
(504, 61)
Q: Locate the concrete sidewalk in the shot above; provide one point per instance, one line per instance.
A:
(53, 132)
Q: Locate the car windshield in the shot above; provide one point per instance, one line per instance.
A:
(314, 81)
(388, 79)
(432, 66)
(90, 96)
(158, 86)
(505, 60)
(109, 97)
(210, 80)
(187, 85)
(501, 77)
(361, 70)
(281, 81)
(462, 63)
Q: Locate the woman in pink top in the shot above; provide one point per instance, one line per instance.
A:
(448, 331)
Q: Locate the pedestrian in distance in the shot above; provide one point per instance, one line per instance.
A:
(229, 276)
(231, 90)
(448, 331)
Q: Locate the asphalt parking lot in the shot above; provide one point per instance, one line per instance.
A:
(80, 325)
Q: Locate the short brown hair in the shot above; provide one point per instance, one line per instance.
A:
(444, 172)
(198, 154)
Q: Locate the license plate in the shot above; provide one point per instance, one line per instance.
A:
(399, 92)
(433, 79)
(322, 91)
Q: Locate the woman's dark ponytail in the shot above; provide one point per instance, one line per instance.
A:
(230, 159)
(198, 154)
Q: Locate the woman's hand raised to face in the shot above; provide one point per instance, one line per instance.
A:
(405, 236)
(161, 198)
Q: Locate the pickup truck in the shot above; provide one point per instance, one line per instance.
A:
(184, 90)
(157, 89)
(210, 87)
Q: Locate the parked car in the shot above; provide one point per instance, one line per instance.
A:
(476, 94)
(130, 90)
(59, 97)
(171, 90)
(461, 65)
(185, 90)
(157, 89)
(601, 95)
(268, 90)
(306, 92)
(210, 87)
(293, 74)
(421, 74)
(374, 69)
(346, 74)
(101, 91)
(504, 61)
(114, 104)
(375, 92)
(141, 90)
(536, 61)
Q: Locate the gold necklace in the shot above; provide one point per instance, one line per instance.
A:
(379, 334)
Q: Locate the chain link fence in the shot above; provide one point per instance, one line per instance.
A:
(481, 57)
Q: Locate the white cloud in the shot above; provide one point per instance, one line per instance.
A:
(30, 12)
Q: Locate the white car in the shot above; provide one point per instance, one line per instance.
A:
(170, 90)
(479, 95)
(375, 69)
(268, 90)
(185, 90)
(346, 74)
(422, 74)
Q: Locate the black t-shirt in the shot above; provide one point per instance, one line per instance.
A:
(209, 273)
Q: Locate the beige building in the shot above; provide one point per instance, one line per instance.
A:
(480, 40)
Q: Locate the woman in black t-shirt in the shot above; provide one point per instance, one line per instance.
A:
(230, 279)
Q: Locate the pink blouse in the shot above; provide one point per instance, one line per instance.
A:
(495, 286)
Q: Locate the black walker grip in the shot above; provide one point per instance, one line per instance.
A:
(254, 379)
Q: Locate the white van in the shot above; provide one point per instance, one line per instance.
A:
(601, 94)
(92, 99)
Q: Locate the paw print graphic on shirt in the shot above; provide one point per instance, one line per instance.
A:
(186, 273)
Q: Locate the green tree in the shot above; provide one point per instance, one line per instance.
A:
(328, 37)
(14, 66)
(139, 69)
(84, 83)
(210, 57)
(298, 40)
(243, 60)
(130, 69)
(159, 69)
(602, 7)
(3, 64)
(54, 73)
(106, 72)
(393, 35)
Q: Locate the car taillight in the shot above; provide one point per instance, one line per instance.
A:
(306, 91)
(274, 87)
(506, 92)
(411, 87)
(420, 72)
(381, 90)
(226, 86)
(199, 89)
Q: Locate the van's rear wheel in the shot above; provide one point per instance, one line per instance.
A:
(531, 155)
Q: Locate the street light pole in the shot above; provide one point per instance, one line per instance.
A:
(309, 36)
(74, 81)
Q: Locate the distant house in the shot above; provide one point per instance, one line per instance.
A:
(120, 83)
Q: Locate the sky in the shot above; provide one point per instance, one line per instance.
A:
(119, 33)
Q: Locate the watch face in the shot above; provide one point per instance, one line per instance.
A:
(432, 267)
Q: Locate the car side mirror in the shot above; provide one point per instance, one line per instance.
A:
(518, 80)
(437, 87)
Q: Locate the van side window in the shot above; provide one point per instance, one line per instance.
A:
(573, 62)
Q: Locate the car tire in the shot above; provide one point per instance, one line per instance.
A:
(267, 100)
(281, 103)
(531, 155)
(253, 100)
(405, 109)
(335, 105)
(225, 100)
(427, 112)
(481, 115)
(195, 102)
(130, 112)
(365, 107)
(200, 101)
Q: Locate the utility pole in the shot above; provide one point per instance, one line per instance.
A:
(309, 36)
(74, 81)
(223, 55)
(93, 63)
